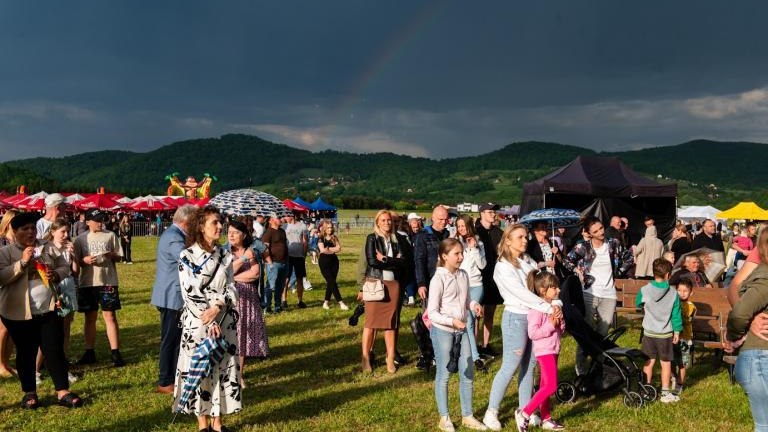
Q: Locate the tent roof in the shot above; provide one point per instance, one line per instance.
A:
(744, 210)
(301, 202)
(698, 212)
(321, 205)
(601, 177)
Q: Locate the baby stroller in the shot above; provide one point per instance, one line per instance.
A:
(611, 367)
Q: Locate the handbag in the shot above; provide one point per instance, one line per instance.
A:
(373, 290)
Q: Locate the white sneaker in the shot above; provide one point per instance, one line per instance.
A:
(72, 378)
(472, 423)
(343, 306)
(307, 284)
(521, 421)
(445, 424)
(534, 420)
(38, 378)
(667, 397)
(411, 301)
(325, 306)
(491, 419)
(552, 425)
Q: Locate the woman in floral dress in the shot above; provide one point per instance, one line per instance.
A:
(251, 332)
(210, 309)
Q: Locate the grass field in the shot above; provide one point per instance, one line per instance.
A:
(312, 380)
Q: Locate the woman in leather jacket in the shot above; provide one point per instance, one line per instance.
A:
(384, 261)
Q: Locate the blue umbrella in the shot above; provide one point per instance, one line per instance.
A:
(556, 218)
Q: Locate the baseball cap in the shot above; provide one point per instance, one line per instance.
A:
(413, 216)
(54, 200)
(489, 206)
(96, 215)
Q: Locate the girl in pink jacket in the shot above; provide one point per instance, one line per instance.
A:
(545, 331)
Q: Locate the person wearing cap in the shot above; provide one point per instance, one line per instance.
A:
(490, 234)
(53, 204)
(415, 223)
(97, 251)
(28, 309)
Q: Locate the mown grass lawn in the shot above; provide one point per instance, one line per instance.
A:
(312, 380)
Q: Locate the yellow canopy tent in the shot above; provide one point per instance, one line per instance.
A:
(744, 210)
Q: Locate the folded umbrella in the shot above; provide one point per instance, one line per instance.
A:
(453, 363)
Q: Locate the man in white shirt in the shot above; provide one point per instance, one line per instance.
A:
(258, 227)
(53, 204)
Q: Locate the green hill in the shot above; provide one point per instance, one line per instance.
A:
(362, 180)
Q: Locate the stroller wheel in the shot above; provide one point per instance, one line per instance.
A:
(633, 400)
(648, 392)
(566, 392)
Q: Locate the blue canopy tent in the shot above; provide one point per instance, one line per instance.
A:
(301, 202)
(320, 205)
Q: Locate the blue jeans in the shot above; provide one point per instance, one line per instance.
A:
(752, 373)
(410, 289)
(476, 294)
(441, 343)
(517, 352)
(275, 283)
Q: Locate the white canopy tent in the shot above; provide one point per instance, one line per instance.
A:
(691, 213)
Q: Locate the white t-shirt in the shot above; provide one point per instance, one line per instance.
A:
(258, 230)
(601, 270)
(42, 225)
(294, 233)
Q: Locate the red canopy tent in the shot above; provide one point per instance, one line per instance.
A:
(293, 206)
(31, 203)
(99, 201)
(174, 202)
(149, 205)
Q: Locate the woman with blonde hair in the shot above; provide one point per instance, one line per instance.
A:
(384, 259)
(6, 344)
(511, 276)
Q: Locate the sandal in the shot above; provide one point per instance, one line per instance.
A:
(30, 401)
(71, 400)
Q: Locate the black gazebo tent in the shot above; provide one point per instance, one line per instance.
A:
(603, 187)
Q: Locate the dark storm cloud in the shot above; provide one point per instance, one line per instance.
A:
(425, 78)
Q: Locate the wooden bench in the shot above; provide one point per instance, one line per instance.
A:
(712, 310)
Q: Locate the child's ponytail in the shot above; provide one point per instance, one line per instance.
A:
(540, 280)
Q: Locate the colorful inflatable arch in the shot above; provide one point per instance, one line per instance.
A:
(191, 188)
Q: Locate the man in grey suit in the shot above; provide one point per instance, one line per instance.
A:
(166, 294)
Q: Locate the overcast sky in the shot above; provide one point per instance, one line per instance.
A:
(426, 78)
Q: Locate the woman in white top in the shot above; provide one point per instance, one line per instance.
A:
(511, 275)
(473, 264)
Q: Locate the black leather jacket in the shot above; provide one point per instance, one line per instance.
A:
(374, 268)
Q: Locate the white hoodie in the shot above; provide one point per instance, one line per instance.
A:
(513, 287)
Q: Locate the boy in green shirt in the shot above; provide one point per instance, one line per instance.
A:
(662, 324)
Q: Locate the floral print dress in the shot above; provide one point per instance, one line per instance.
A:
(219, 393)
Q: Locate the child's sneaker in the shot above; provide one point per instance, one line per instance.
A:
(521, 420)
(472, 423)
(668, 397)
(445, 424)
(552, 425)
(534, 420)
(491, 419)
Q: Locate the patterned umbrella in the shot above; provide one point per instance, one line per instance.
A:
(210, 351)
(556, 218)
(248, 202)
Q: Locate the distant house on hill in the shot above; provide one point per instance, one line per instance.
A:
(467, 207)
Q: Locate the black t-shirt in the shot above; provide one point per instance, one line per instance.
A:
(703, 240)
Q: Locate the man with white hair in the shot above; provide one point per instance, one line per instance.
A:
(53, 204)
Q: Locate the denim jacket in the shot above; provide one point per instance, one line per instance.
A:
(583, 255)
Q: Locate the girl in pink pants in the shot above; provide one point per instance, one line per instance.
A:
(545, 332)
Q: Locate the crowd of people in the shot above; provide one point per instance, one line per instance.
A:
(213, 298)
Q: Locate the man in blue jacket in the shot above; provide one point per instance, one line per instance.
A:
(166, 294)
